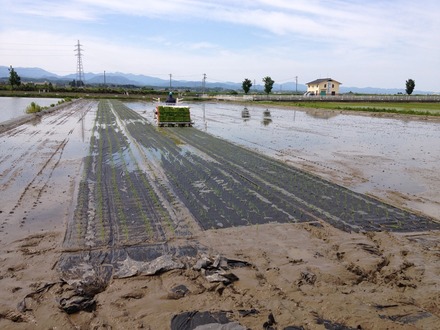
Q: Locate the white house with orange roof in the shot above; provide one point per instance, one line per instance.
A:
(323, 86)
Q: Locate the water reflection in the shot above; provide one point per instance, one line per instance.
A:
(205, 123)
(267, 118)
(380, 151)
(245, 114)
(321, 114)
(82, 129)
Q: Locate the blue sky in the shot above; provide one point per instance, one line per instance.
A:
(359, 43)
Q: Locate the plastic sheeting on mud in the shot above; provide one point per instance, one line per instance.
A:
(204, 320)
(102, 265)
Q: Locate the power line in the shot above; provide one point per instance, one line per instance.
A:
(36, 55)
(186, 75)
(288, 79)
(35, 50)
(216, 80)
(39, 44)
(24, 49)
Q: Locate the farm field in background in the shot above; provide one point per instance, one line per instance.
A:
(104, 211)
(410, 108)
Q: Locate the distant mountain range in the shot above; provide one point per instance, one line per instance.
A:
(119, 78)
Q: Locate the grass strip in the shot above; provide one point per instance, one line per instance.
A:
(404, 108)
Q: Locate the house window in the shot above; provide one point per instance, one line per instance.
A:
(333, 85)
(325, 85)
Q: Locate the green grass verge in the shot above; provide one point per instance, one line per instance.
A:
(408, 108)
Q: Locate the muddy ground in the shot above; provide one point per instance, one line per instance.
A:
(92, 217)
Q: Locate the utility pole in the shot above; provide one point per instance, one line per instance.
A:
(204, 83)
(170, 80)
(104, 79)
(296, 84)
(79, 65)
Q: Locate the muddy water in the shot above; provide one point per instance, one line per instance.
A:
(12, 107)
(36, 159)
(380, 156)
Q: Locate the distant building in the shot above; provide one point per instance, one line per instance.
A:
(324, 86)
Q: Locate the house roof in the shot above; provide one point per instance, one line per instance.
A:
(318, 81)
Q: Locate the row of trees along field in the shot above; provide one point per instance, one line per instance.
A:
(16, 83)
(268, 84)
(15, 80)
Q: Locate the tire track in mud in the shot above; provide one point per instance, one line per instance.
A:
(18, 159)
(21, 170)
(39, 183)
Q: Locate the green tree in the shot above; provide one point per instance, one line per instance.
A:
(14, 78)
(268, 84)
(410, 84)
(247, 84)
(76, 83)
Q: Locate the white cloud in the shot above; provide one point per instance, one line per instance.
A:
(368, 24)
(357, 41)
(58, 9)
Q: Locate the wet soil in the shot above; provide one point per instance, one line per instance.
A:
(94, 208)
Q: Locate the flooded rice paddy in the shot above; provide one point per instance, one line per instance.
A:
(328, 137)
(374, 155)
(141, 180)
(145, 186)
(366, 154)
(13, 107)
(132, 199)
